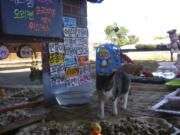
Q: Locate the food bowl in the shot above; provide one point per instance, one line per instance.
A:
(173, 85)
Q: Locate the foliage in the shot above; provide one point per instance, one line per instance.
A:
(160, 37)
(119, 35)
(146, 46)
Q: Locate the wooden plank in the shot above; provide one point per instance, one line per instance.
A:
(26, 105)
(19, 124)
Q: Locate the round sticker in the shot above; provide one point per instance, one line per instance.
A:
(4, 52)
(25, 52)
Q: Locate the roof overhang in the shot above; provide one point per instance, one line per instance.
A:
(95, 1)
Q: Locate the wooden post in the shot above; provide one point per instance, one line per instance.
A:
(171, 56)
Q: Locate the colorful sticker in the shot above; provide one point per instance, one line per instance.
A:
(71, 51)
(72, 72)
(103, 54)
(69, 22)
(69, 32)
(72, 82)
(84, 69)
(83, 60)
(4, 52)
(56, 47)
(56, 80)
(82, 51)
(56, 58)
(71, 61)
(84, 78)
(82, 32)
(57, 69)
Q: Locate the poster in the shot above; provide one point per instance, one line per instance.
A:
(82, 32)
(84, 78)
(82, 51)
(57, 80)
(69, 42)
(56, 58)
(56, 47)
(72, 82)
(71, 61)
(84, 69)
(82, 42)
(69, 22)
(72, 72)
(69, 32)
(83, 60)
(57, 69)
(71, 51)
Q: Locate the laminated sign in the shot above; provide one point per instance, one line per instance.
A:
(56, 47)
(83, 60)
(72, 72)
(69, 32)
(56, 58)
(72, 82)
(84, 69)
(57, 69)
(57, 80)
(84, 78)
(71, 61)
(70, 42)
(69, 22)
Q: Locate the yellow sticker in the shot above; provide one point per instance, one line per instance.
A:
(72, 71)
(56, 58)
(104, 54)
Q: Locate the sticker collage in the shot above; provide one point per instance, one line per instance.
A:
(69, 63)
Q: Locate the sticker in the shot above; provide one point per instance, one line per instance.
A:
(82, 51)
(85, 78)
(57, 69)
(56, 47)
(71, 51)
(82, 41)
(69, 22)
(72, 72)
(72, 82)
(56, 80)
(56, 58)
(70, 42)
(84, 69)
(83, 60)
(4, 52)
(25, 51)
(69, 32)
(82, 32)
(103, 54)
(71, 61)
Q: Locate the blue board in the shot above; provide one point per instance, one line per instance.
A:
(37, 18)
(108, 58)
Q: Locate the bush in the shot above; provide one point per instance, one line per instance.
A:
(146, 46)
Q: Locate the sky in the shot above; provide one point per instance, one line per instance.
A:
(143, 18)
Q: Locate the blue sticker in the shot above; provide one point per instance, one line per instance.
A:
(71, 62)
(69, 22)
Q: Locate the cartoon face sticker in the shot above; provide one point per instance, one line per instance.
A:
(103, 54)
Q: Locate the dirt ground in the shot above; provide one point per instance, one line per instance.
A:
(143, 97)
